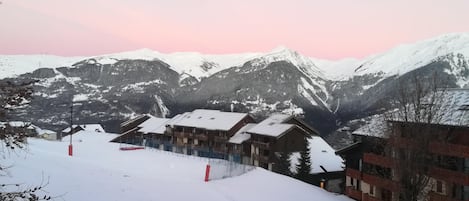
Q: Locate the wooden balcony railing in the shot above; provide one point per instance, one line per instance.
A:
(351, 192)
(353, 173)
(378, 160)
(367, 197)
(449, 175)
(220, 138)
(432, 196)
(200, 137)
(260, 157)
(261, 145)
(182, 134)
(447, 149)
(220, 149)
(381, 182)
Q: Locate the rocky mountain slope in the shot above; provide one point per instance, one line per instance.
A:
(112, 88)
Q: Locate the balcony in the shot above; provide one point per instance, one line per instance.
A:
(260, 157)
(201, 137)
(353, 173)
(182, 134)
(447, 149)
(220, 138)
(261, 145)
(381, 182)
(220, 149)
(438, 197)
(351, 192)
(449, 175)
(367, 197)
(378, 160)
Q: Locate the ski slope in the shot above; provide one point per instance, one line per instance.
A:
(99, 171)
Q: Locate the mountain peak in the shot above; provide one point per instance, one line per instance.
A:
(282, 49)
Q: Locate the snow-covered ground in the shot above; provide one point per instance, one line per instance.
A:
(99, 171)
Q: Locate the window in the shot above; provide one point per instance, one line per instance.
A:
(372, 190)
(439, 186)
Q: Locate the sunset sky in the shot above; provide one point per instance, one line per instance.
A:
(328, 29)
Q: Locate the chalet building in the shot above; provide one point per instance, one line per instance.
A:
(206, 132)
(25, 128)
(371, 168)
(224, 135)
(142, 130)
(278, 133)
(82, 127)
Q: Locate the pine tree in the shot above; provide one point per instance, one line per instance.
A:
(303, 168)
(283, 165)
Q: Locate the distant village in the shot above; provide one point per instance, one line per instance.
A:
(365, 170)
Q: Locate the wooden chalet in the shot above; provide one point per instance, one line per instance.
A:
(278, 133)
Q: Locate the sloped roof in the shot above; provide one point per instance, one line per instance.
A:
(209, 119)
(321, 154)
(241, 136)
(452, 109)
(272, 126)
(152, 124)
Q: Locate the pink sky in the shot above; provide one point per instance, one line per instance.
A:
(329, 29)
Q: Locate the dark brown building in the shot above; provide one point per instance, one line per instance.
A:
(371, 168)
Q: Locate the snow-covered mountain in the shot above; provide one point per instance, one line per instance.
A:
(120, 85)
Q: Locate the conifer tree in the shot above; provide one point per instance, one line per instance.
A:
(284, 162)
(303, 168)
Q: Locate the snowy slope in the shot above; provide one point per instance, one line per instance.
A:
(13, 65)
(408, 57)
(99, 171)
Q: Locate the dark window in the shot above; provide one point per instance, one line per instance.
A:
(439, 186)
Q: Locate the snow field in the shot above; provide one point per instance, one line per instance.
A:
(99, 171)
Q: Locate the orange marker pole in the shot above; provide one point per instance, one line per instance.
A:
(207, 172)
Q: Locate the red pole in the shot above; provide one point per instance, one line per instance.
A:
(207, 172)
(70, 150)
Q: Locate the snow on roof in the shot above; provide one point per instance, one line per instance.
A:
(153, 124)
(241, 136)
(272, 126)
(456, 111)
(452, 109)
(375, 128)
(321, 154)
(87, 127)
(18, 124)
(209, 119)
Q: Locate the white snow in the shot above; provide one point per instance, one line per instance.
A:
(408, 57)
(241, 136)
(209, 119)
(272, 126)
(99, 171)
(321, 154)
(153, 124)
(14, 65)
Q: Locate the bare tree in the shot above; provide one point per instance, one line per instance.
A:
(12, 96)
(410, 129)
